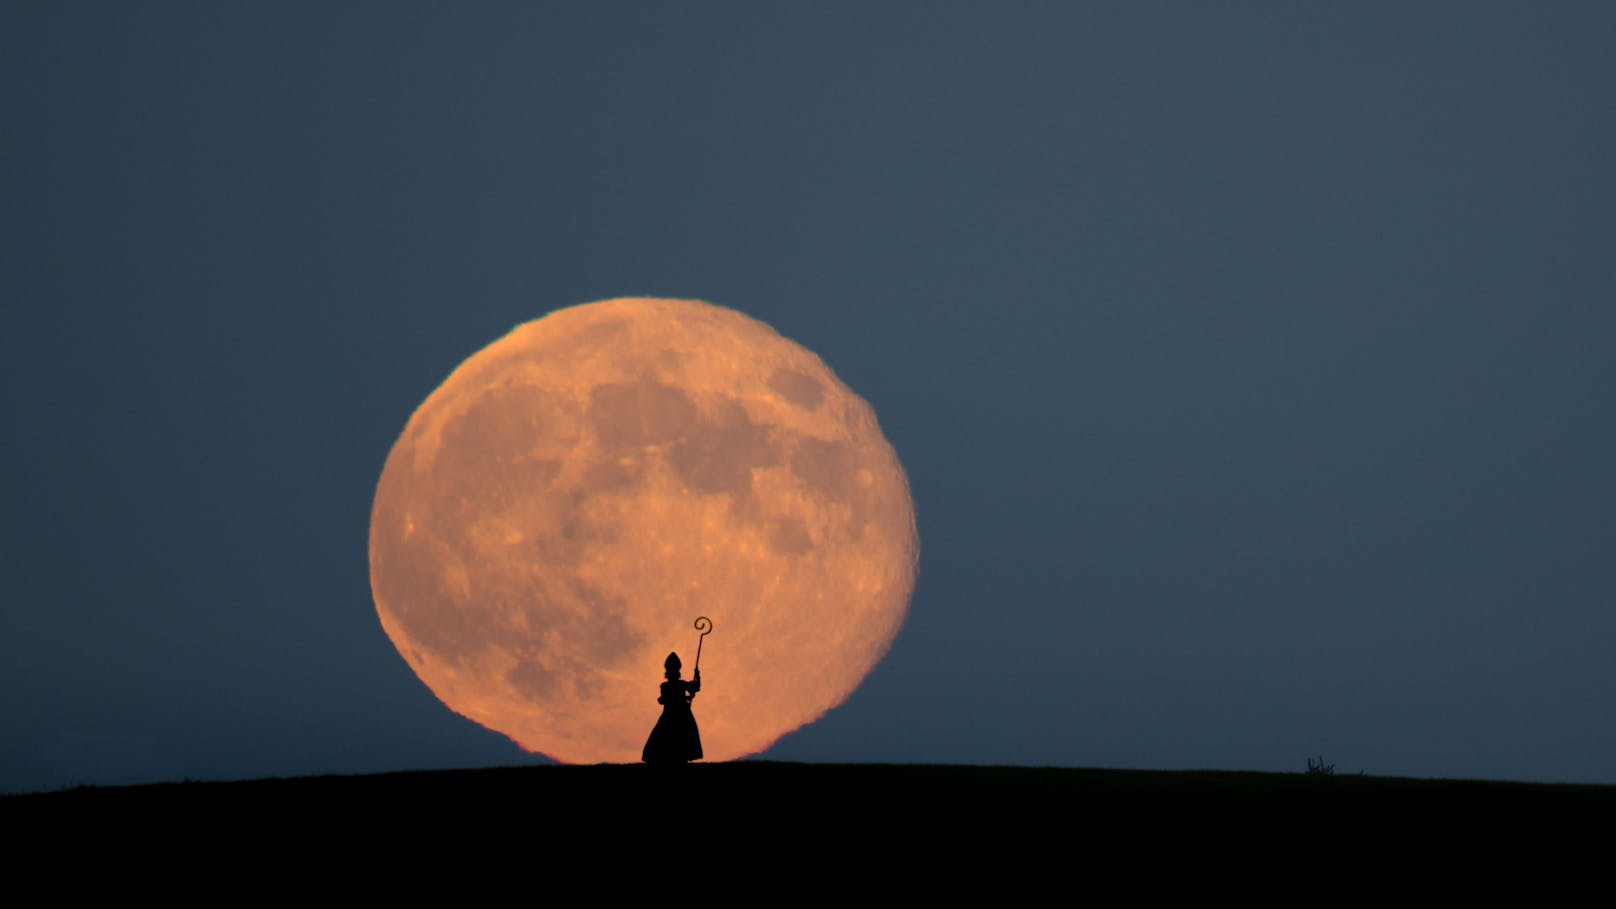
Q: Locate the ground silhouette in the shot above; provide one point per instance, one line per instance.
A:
(769, 794)
(762, 830)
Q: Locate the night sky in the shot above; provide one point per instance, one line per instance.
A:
(1251, 363)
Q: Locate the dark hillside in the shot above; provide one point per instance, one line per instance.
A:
(797, 801)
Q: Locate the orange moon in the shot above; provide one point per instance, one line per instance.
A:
(556, 515)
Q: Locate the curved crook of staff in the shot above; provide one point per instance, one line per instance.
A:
(705, 626)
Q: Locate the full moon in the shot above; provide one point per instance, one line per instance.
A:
(559, 511)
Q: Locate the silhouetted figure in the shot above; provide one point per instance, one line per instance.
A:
(675, 740)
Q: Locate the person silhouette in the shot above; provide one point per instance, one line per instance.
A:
(674, 739)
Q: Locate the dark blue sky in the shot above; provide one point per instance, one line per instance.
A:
(1251, 363)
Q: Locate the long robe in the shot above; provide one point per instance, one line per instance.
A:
(674, 739)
